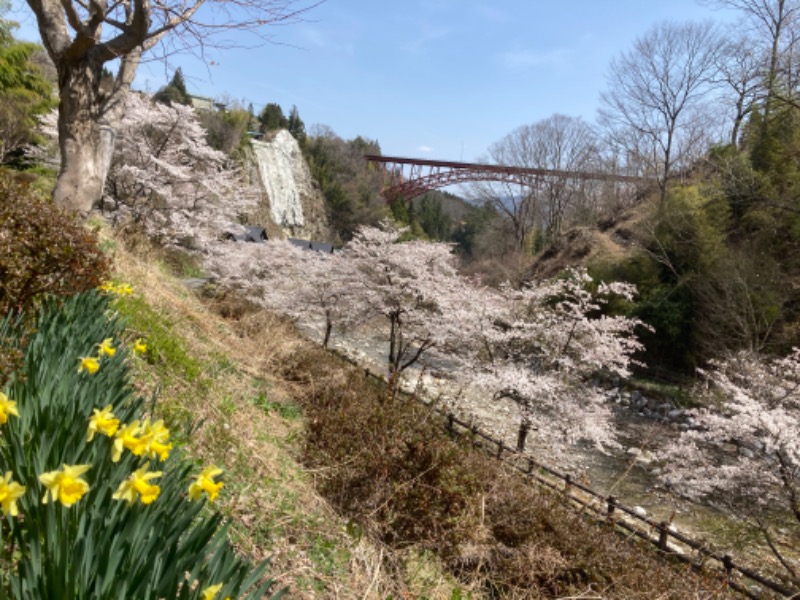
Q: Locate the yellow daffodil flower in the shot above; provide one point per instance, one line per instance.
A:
(106, 347)
(211, 591)
(205, 483)
(66, 486)
(128, 437)
(102, 421)
(137, 486)
(157, 438)
(89, 364)
(9, 492)
(139, 347)
(121, 289)
(7, 407)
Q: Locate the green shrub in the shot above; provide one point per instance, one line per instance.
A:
(101, 545)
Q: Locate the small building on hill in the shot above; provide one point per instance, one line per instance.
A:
(205, 103)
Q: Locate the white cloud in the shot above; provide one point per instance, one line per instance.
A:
(522, 59)
(425, 149)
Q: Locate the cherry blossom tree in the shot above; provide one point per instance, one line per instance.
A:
(165, 177)
(743, 450)
(315, 289)
(415, 288)
(539, 346)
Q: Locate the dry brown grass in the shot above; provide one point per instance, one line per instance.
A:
(611, 243)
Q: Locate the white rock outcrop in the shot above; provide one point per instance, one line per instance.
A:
(296, 203)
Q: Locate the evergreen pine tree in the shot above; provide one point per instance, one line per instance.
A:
(175, 91)
(296, 126)
(272, 118)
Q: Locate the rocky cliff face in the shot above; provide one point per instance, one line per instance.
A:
(295, 201)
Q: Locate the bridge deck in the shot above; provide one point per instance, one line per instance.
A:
(504, 169)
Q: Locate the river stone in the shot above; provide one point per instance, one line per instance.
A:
(635, 395)
(675, 414)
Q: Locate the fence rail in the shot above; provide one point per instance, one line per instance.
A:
(607, 508)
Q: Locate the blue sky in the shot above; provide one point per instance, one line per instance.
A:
(438, 79)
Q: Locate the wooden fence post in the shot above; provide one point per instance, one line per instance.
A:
(727, 562)
(663, 536)
(567, 483)
(524, 428)
(499, 450)
(611, 503)
(450, 422)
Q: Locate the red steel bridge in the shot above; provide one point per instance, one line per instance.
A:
(407, 178)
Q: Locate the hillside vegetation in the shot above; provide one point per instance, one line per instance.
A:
(349, 490)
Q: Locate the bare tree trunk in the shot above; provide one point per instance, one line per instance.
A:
(86, 149)
(86, 135)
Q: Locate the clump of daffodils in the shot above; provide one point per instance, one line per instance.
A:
(117, 289)
(147, 439)
(105, 349)
(106, 481)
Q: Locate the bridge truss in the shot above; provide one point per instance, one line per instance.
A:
(407, 178)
